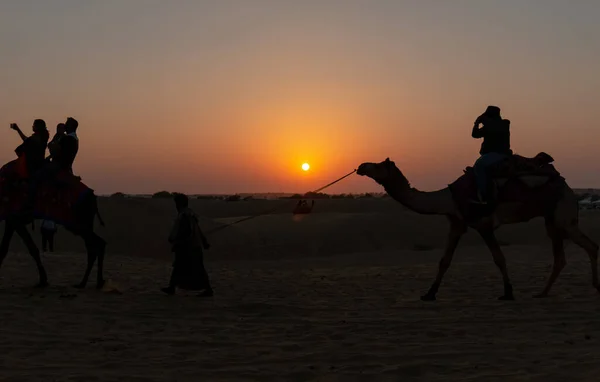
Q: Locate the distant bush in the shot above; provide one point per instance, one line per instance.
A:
(316, 195)
(117, 195)
(342, 196)
(295, 196)
(208, 197)
(162, 195)
(367, 195)
(233, 198)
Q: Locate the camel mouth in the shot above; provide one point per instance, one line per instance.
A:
(362, 169)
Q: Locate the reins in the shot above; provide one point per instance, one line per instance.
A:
(271, 210)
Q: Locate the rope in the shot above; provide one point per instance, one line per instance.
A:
(271, 210)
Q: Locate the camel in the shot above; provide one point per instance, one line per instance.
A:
(75, 207)
(518, 199)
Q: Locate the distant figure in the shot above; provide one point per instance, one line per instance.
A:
(48, 230)
(187, 241)
(494, 149)
(32, 151)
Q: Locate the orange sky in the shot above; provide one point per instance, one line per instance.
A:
(204, 97)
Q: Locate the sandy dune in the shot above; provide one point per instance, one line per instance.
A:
(333, 296)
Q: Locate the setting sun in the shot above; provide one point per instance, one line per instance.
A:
(305, 166)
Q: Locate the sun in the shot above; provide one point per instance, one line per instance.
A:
(305, 166)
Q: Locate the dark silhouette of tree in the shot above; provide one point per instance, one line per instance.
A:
(162, 195)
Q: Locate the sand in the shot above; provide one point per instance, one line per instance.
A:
(333, 296)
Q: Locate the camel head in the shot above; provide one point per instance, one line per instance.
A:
(379, 172)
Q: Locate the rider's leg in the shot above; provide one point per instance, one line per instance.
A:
(481, 177)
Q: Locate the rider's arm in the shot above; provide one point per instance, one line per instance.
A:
(18, 130)
(478, 132)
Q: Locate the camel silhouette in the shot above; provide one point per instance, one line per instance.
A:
(69, 203)
(520, 196)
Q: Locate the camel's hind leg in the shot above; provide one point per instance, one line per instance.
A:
(579, 238)
(566, 219)
(558, 251)
(490, 239)
(95, 247)
(457, 229)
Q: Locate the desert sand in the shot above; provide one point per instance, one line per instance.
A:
(330, 296)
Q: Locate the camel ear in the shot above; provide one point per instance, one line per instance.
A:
(387, 160)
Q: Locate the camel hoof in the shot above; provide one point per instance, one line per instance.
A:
(79, 286)
(428, 297)
(597, 288)
(100, 284)
(506, 298)
(41, 284)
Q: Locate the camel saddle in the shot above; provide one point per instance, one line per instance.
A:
(516, 179)
(54, 200)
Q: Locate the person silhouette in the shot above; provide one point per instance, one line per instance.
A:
(188, 242)
(494, 148)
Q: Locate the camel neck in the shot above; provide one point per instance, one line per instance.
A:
(427, 203)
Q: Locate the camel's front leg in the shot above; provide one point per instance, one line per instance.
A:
(558, 251)
(490, 239)
(92, 254)
(456, 231)
(34, 252)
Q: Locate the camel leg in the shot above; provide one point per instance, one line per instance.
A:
(457, 229)
(101, 248)
(9, 230)
(558, 251)
(490, 240)
(91, 259)
(579, 238)
(94, 245)
(21, 230)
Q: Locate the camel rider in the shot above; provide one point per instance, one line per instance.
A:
(67, 147)
(495, 147)
(54, 144)
(33, 149)
(63, 151)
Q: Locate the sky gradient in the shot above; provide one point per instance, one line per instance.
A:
(233, 96)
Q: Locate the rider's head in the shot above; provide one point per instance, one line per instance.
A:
(60, 128)
(71, 125)
(492, 112)
(39, 125)
(181, 201)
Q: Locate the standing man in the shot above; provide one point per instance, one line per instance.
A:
(48, 231)
(188, 242)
